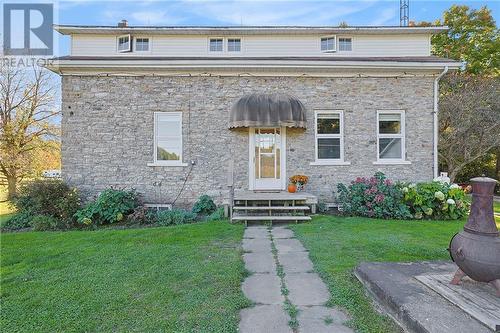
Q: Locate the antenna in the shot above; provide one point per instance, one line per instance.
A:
(404, 12)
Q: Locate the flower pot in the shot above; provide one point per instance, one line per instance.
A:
(292, 188)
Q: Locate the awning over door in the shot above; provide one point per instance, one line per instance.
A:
(268, 110)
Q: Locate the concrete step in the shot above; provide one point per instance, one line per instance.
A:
(271, 218)
(271, 208)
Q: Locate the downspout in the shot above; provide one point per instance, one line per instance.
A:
(436, 120)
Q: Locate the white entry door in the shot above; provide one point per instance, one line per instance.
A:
(267, 159)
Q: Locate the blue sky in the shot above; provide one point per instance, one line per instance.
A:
(196, 12)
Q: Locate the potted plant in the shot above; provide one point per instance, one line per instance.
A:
(299, 181)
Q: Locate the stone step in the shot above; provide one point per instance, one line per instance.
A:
(271, 218)
(271, 208)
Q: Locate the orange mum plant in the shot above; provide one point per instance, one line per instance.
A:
(299, 179)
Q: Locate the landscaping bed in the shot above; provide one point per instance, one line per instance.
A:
(338, 244)
(183, 278)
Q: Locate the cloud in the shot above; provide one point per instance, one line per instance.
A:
(150, 17)
(385, 16)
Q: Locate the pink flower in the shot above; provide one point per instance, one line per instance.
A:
(388, 182)
(379, 198)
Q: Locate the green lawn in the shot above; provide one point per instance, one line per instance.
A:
(337, 245)
(174, 279)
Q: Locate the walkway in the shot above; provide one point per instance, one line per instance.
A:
(288, 295)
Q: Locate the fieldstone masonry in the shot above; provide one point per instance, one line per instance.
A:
(108, 131)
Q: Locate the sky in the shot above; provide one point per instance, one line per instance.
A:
(257, 12)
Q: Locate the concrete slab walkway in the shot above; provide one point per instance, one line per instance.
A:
(288, 295)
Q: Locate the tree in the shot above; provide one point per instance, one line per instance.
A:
(26, 111)
(469, 122)
(472, 38)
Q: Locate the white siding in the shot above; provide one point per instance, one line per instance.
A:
(259, 46)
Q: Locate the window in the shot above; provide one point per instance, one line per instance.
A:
(391, 135)
(345, 44)
(124, 44)
(329, 136)
(234, 45)
(216, 44)
(168, 138)
(142, 44)
(328, 44)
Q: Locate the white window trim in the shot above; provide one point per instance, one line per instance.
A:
(352, 43)
(223, 45)
(227, 45)
(402, 136)
(330, 161)
(150, 43)
(129, 43)
(155, 152)
(334, 44)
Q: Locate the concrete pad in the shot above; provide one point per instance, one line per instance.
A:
(306, 289)
(281, 232)
(416, 307)
(257, 245)
(256, 232)
(319, 319)
(295, 262)
(263, 288)
(260, 262)
(264, 319)
(288, 245)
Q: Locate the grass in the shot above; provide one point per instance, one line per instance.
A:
(337, 245)
(174, 279)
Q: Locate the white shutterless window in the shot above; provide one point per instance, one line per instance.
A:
(168, 138)
(390, 136)
(124, 43)
(345, 44)
(234, 45)
(142, 44)
(329, 136)
(216, 44)
(327, 44)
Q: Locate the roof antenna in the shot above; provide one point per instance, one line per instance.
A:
(404, 13)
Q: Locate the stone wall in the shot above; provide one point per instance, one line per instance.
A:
(108, 131)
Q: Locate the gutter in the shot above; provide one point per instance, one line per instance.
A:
(436, 120)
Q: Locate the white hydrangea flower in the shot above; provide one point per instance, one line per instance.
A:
(412, 185)
(453, 186)
(450, 202)
(439, 195)
(405, 189)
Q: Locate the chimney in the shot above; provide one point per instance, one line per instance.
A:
(122, 24)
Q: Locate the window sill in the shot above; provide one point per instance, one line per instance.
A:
(330, 163)
(159, 164)
(391, 162)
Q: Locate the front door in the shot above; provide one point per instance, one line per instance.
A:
(267, 159)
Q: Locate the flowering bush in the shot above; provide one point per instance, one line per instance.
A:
(373, 197)
(435, 200)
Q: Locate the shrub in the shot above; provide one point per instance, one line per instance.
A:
(45, 222)
(435, 200)
(217, 215)
(204, 206)
(110, 206)
(174, 216)
(373, 197)
(141, 215)
(48, 197)
(21, 220)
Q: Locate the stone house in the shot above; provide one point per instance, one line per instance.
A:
(177, 112)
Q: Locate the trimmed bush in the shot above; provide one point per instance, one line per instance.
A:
(217, 215)
(436, 200)
(174, 217)
(48, 197)
(21, 220)
(45, 222)
(373, 197)
(204, 206)
(111, 206)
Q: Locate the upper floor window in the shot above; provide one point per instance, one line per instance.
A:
(216, 44)
(329, 136)
(328, 44)
(345, 44)
(391, 135)
(142, 44)
(234, 45)
(124, 44)
(168, 138)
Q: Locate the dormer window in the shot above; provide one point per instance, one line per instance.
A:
(216, 44)
(345, 44)
(328, 44)
(124, 44)
(142, 44)
(233, 45)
